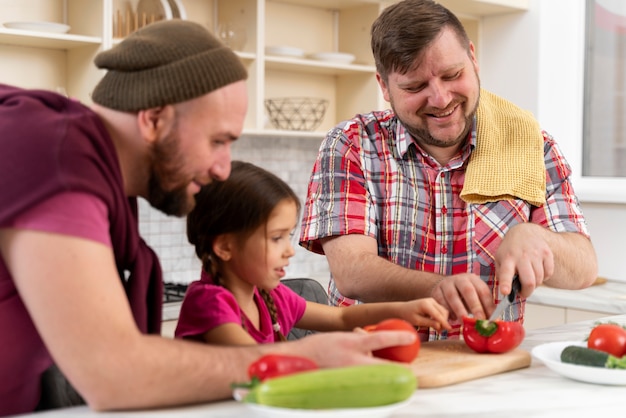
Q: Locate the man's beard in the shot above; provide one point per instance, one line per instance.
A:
(167, 166)
(424, 137)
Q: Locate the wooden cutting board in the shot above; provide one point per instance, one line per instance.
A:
(446, 362)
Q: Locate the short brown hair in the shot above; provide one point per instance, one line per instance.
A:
(403, 30)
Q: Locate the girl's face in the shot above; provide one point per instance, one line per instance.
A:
(262, 258)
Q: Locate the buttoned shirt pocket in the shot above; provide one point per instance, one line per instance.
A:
(491, 222)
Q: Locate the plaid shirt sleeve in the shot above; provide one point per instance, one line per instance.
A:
(338, 201)
(562, 211)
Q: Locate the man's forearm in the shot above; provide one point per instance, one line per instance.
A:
(361, 274)
(575, 261)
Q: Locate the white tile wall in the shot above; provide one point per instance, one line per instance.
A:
(288, 157)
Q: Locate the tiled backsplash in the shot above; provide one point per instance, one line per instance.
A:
(288, 157)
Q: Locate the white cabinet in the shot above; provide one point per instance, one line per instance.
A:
(542, 316)
(64, 61)
(55, 61)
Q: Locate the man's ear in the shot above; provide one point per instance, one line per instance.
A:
(156, 122)
(383, 86)
(223, 246)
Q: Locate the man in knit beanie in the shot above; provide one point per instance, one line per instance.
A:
(167, 62)
(80, 291)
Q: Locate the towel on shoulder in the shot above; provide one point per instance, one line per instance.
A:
(508, 161)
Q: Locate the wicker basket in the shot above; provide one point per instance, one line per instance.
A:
(296, 113)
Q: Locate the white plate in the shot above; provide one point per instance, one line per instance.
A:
(38, 26)
(371, 412)
(340, 57)
(178, 10)
(550, 355)
(286, 51)
(157, 9)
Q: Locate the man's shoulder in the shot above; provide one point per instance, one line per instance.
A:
(372, 124)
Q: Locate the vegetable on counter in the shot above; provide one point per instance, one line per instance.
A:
(342, 387)
(497, 336)
(273, 365)
(608, 337)
(584, 356)
(402, 353)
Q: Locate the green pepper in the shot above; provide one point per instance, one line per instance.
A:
(484, 336)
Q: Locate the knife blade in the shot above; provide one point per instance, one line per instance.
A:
(506, 301)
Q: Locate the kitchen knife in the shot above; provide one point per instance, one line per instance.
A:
(506, 301)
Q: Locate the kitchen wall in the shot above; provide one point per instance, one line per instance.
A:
(291, 158)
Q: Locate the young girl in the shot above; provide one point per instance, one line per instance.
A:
(241, 229)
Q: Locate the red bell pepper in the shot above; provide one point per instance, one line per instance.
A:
(272, 365)
(497, 336)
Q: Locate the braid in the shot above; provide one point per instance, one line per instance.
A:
(271, 306)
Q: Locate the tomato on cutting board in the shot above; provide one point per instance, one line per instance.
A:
(610, 338)
(402, 353)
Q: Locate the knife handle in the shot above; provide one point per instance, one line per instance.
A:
(516, 287)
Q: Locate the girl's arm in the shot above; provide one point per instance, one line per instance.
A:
(228, 334)
(424, 312)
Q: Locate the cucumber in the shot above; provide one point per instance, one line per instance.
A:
(584, 356)
(344, 387)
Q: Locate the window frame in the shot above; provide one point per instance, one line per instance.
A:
(561, 93)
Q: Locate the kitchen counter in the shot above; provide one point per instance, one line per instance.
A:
(532, 392)
(609, 297)
(171, 311)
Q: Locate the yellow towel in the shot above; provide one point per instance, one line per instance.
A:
(508, 161)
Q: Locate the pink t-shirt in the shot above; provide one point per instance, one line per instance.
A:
(24, 355)
(207, 306)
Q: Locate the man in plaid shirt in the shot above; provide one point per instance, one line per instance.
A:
(384, 201)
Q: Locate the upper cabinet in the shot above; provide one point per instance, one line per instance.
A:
(51, 44)
(312, 49)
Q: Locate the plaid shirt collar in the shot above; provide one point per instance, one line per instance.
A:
(403, 140)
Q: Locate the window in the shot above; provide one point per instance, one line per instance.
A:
(604, 121)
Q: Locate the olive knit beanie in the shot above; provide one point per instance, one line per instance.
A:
(163, 63)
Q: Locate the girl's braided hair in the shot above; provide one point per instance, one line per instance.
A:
(238, 205)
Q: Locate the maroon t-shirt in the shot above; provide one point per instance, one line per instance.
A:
(51, 145)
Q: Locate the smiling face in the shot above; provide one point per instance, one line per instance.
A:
(261, 259)
(197, 150)
(436, 99)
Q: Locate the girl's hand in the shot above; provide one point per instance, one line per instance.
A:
(426, 312)
(346, 348)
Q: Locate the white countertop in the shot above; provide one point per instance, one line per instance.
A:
(171, 311)
(609, 297)
(532, 392)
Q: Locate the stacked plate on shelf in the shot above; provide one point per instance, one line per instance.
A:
(290, 51)
(338, 57)
(178, 10)
(50, 27)
(284, 51)
(153, 10)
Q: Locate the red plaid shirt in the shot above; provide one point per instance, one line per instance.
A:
(371, 178)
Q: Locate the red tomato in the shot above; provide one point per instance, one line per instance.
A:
(610, 338)
(273, 365)
(401, 353)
